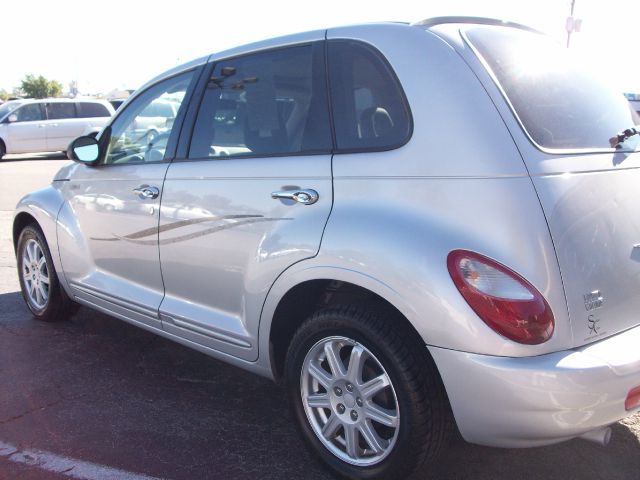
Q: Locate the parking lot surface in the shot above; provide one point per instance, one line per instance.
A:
(96, 398)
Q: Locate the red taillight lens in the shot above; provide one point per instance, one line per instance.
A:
(503, 299)
(633, 399)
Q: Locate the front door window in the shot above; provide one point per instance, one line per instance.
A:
(141, 131)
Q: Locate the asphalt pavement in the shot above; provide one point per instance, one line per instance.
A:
(96, 398)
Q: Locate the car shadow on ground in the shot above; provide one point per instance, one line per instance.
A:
(98, 389)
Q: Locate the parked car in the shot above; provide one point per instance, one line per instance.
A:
(50, 124)
(417, 227)
(156, 118)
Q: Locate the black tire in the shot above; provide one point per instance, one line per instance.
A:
(3, 149)
(425, 419)
(58, 305)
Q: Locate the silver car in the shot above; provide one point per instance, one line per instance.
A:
(417, 227)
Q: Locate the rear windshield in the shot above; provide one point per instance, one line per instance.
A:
(560, 103)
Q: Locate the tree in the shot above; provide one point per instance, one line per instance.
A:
(40, 87)
(4, 95)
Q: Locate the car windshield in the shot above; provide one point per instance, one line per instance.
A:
(8, 107)
(561, 104)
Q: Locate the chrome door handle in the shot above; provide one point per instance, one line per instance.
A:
(146, 191)
(306, 197)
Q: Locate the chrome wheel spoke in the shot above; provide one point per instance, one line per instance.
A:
(381, 415)
(29, 252)
(320, 375)
(319, 400)
(43, 293)
(330, 428)
(372, 438)
(356, 364)
(332, 352)
(37, 294)
(375, 385)
(351, 441)
(44, 280)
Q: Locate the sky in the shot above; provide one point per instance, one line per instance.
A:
(120, 44)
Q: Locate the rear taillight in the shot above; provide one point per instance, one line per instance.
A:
(633, 399)
(504, 300)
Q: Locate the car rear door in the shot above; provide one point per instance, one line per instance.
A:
(251, 197)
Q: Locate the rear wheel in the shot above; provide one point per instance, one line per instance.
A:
(39, 283)
(365, 393)
(3, 149)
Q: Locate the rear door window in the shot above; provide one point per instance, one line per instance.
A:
(369, 107)
(62, 110)
(559, 102)
(264, 104)
(92, 110)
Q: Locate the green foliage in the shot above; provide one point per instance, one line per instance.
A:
(4, 95)
(40, 87)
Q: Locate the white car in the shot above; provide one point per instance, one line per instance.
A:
(50, 124)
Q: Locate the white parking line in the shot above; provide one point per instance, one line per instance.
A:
(69, 467)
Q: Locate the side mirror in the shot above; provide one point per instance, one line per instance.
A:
(84, 150)
(12, 118)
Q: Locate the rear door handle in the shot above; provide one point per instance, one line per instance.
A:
(306, 197)
(146, 191)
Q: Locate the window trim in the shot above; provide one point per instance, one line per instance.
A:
(212, 65)
(403, 98)
(549, 151)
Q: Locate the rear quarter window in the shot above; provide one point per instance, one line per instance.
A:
(560, 103)
(369, 107)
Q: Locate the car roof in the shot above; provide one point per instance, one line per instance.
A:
(57, 100)
(315, 35)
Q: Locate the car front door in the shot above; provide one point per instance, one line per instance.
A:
(27, 133)
(251, 199)
(109, 245)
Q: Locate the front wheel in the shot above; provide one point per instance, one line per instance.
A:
(365, 393)
(39, 283)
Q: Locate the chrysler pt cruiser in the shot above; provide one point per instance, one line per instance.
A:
(417, 228)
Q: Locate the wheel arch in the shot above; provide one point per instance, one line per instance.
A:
(21, 220)
(41, 208)
(293, 300)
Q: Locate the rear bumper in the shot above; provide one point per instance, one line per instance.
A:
(530, 401)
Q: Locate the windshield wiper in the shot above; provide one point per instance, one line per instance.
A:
(616, 141)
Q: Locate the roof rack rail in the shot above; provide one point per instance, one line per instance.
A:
(430, 22)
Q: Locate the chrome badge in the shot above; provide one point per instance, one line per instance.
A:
(593, 300)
